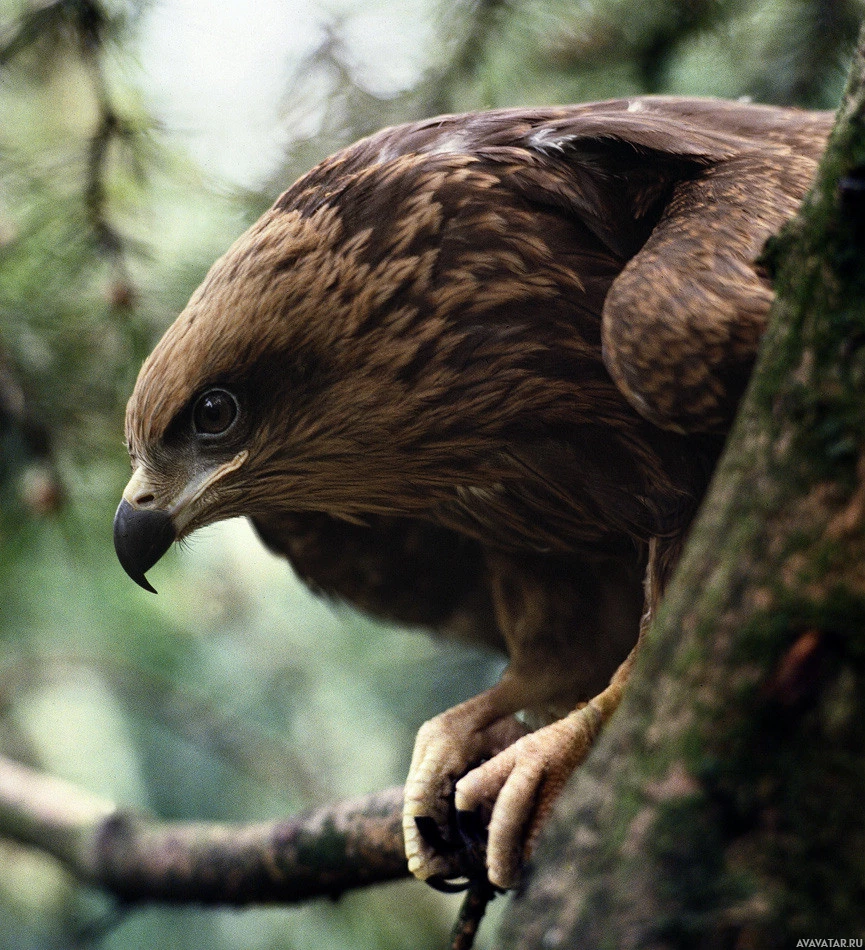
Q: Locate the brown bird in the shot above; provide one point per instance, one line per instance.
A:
(472, 374)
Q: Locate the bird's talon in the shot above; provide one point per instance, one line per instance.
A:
(472, 828)
(429, 830)
(448, 885)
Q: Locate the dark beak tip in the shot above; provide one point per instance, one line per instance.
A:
(144, 583)
(141, 537)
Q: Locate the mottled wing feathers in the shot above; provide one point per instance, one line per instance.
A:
(683, 321)
(607, 163)
(685, 193)
(453, 285)
(494, 331)
(682, 191)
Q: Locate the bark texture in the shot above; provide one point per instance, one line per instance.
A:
(137, 857)
(723, 807)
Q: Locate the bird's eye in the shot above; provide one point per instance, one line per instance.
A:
(214, 412)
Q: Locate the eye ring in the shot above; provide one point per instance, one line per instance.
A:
(215, 412)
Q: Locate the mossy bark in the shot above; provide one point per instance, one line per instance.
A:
(725, 804)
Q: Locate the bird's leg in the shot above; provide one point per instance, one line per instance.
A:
(498, 771)
(447, 747)
(518, 787)
(475, 766)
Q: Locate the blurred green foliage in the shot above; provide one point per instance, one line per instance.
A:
(234, 694)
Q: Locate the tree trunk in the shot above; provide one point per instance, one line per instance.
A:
(725, 804)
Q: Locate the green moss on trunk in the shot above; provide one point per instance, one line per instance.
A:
(723, 807)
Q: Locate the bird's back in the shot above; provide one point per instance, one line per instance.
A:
(550, 208)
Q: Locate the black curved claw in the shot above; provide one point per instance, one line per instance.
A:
(446, 885)
(472, 828)
(431, 833)
(468, 840)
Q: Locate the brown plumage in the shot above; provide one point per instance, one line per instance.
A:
(472, 374)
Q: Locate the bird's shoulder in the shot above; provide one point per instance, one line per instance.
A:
(608, 163)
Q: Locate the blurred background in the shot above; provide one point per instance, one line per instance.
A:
(137, 140)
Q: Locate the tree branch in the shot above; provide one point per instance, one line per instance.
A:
(138, 858)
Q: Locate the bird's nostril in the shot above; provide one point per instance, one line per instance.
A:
(144, 499)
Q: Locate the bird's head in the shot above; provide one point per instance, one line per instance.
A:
(249, 402)
(300, 376)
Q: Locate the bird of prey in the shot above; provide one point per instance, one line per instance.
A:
(472, 374)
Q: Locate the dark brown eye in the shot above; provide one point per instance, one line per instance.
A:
(214, 412)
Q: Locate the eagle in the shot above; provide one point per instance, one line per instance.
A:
(472, 374)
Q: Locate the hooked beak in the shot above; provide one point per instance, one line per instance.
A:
(141, 537)
(144, 530)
